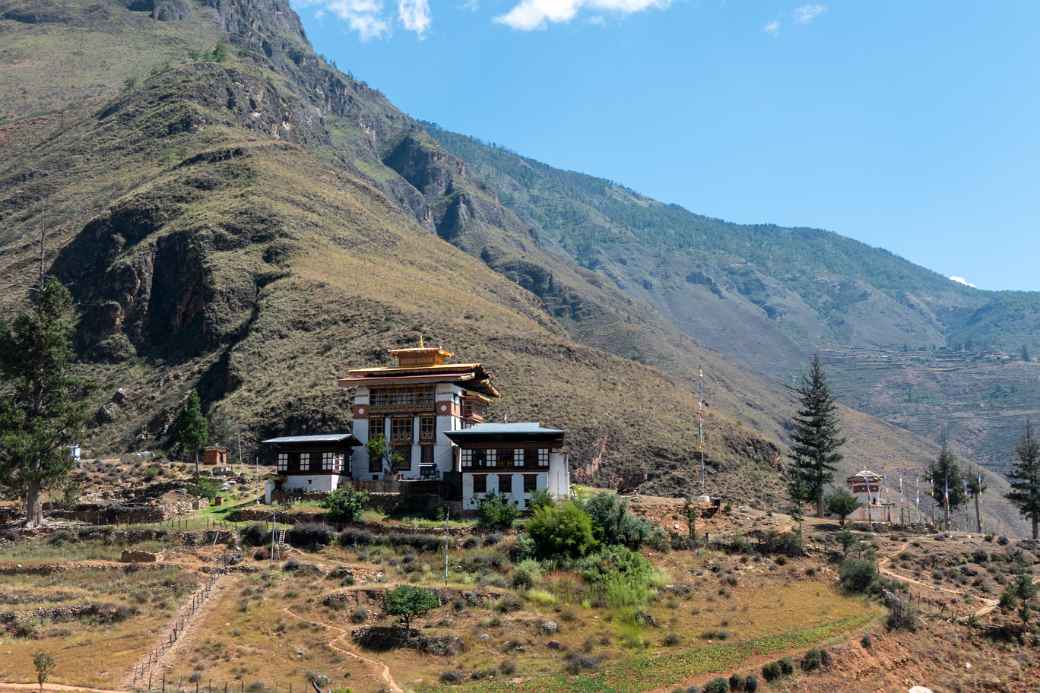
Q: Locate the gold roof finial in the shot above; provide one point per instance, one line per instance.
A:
(421, 344)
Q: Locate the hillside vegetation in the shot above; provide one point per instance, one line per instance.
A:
(234, 214)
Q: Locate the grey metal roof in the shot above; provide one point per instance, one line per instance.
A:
(520, 428)
(318, 438)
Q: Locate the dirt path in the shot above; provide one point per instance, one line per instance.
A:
(54, 687)
(187, 635)
(988, 606)
(384, 670)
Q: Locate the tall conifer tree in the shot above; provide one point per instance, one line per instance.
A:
(946, 483)
(41, 414)
(1025, 479)
(816, 439)
(192, 429)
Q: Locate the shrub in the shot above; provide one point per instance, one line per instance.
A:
(672, 639)
(310, 536)
(771, 671)
(406, 602)
(750, 683)
(866, 641)
(540, 499)
(345, 504)
(786, 666)
(773, 543)
(562, 530)
(736, 682)
(857, 575)
(902, 615)
(577, 663)
(619, 576)
(507, 667)
(613, 524)
(540, 597)
(719, 685)
(452, 677)
(496, 512)
(842, 503)
(359, 615)
(256, 535)
(527, 574)
(815, 659)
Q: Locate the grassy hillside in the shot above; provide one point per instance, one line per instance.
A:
(233, 214)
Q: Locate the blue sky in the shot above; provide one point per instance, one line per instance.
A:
(911, 125)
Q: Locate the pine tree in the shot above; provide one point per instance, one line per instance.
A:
(1024, 478)
(191, 429)
(41, 413)
(947, 486)
(816, 439)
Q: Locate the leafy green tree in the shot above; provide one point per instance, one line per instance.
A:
(540, 498)
(407, 601)
(379, 449)
(191, 430)
(41, 410)
(1024, 478)
(561, 530)
(44, 664)
(496, 512)
(842, 503)
(345, 504)
(947, 487)
(816, 439)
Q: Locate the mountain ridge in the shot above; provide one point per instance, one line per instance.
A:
(252, 225)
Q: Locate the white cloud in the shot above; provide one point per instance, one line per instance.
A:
(962, 280)
(807, 13)
(528, 15)
(772, 28)
(369, 18)
(414, 15)
(471, 5)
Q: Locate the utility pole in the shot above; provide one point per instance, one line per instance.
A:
(700, 425)
(445, 548)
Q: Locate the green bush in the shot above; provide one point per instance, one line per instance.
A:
(613, 524)
(256, 535)
(496, 512)
(310, 536)
(619, 576)
(719, 685)
(539, 499)
(526, 574)
(786, 666)
(815, 659)
(771, 671)
(751, 683)
(857, 575)
(205, 488)
(736, 682)
(345, 504)
(561, 531)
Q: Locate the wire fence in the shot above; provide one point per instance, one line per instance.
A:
(199, 684)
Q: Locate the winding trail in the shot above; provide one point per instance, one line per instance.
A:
(988, 606)
(55, 687)
(384, 670)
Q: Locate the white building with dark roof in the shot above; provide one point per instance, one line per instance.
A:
(513, 460)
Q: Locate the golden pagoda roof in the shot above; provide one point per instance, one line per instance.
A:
(423, 365)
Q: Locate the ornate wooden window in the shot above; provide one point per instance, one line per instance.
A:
(466, 457)
(328, 462)
(505, 484)
(283, 461)
(504, 458)
(376, 427)
(305, 461)
(416, 398)
(480, 483)
(426, 455)
(543, 457)
(427, 428)
(530, 483)
(401, 430)
(518, 457)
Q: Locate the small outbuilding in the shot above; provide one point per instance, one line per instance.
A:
(215, 455)
(513, 460)
(309, 463)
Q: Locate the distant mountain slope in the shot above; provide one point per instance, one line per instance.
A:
(769, 296)
(233, 214)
